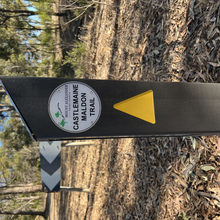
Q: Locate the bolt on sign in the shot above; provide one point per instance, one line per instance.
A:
(61, 109)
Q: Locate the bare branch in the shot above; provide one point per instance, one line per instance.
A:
(24, 205)
(69, 6)
(18, 11)
(80, 14)
(6, 18)
(31, 197)
(7, 109)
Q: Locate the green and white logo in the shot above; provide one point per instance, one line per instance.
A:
(63, 122)
(74, 107)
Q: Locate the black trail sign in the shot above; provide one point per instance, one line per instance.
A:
(60, 108)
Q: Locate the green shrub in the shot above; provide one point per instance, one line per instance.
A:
(75, 58)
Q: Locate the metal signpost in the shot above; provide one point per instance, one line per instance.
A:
(65, 109)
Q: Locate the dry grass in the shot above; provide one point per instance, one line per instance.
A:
(150, 178)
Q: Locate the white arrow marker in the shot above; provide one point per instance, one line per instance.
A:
(51, 181)
(50, 150)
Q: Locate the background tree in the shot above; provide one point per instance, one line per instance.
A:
(28, 47)
(18, 179)
(26, 37)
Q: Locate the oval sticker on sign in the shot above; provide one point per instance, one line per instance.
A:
(74, 107)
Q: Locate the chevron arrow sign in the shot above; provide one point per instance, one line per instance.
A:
(50, 165)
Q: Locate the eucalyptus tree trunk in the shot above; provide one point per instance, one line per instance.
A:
(17, 190)
(21, 213)
(2, 92)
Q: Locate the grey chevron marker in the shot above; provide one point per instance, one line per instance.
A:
(50, 165)
(50, 168)
(50, 150)
(46, 189)
(51, 180)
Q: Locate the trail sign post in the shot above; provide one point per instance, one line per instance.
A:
(61, 109)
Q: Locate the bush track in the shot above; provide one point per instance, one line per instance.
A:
(146, 178)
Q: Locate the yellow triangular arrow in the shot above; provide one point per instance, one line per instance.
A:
(140, 106)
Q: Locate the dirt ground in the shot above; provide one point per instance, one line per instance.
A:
(139, 179)
(148, 178)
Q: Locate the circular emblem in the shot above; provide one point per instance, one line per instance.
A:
(74, 107)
